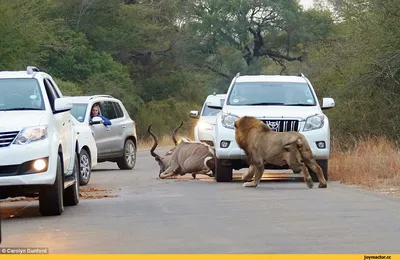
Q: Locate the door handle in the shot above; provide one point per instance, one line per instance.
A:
(124, 126)
(108, 129)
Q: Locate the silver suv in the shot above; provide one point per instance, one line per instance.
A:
(115, 142)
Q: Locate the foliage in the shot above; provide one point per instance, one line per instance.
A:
(162, 58)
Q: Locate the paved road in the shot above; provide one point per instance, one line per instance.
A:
(202, 216)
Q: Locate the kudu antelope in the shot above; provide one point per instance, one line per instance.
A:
(186, 157)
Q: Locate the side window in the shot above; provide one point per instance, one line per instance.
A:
(107, 110)
(118, 110)
(50, 93)
(55, 88)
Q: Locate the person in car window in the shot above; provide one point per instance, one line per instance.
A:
(95, 112)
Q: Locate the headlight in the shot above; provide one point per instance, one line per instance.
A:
(228, 120)
(31, 134)
(314, 122)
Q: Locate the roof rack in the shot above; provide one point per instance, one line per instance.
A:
(95, 96)
(301, 75)
(32, 69)
(237, 75)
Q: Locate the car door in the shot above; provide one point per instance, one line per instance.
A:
(114, 115)
(62, 124)
(102, 134)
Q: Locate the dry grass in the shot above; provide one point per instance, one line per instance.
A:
(372, 163)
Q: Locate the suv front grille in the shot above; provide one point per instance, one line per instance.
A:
(7, 137)
(282, 125)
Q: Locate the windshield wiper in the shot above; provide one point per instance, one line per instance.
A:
(20, 108)
(300, 105)
(266, 104)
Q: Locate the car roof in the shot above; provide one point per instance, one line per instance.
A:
(30, 72)
(270, 78)
(87, 99)
(217, 96)
(16, 74)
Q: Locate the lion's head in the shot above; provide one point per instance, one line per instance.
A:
(246, 125)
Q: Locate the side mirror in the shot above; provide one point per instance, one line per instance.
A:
(215, 104)
(62, 105)
(95, 120)
(328, 103)
(194, 114)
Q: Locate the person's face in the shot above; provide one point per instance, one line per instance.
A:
(95, 111)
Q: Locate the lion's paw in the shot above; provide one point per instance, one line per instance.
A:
(249, 184)
(322, 185)
(310, 183)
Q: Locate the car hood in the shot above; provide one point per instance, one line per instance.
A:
(16, 120)
(273, 111)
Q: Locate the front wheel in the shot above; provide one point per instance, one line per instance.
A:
(85, 168)
(223, 171)
(51, 201)
(128, 160)
(71, 194)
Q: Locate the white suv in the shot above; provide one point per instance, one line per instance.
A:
(204, 129)
(285, 103)
(37, 141)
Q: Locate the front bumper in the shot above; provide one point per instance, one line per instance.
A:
(233, 152)
(15, 162)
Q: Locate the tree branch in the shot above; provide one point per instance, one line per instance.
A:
(224, 75)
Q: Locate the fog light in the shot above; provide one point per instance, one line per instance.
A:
(321, 144)
(225, 144)
(39, 165)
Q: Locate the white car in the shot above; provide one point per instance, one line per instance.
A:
(285, 103)
(87, 150)
(204, 129)
(38, 142)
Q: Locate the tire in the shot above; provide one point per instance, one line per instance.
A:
(85, 168)
(71, 194)
(324, 165)
(222, 172)
(128, 160)
(51, 201)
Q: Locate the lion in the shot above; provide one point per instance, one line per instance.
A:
(262, 145)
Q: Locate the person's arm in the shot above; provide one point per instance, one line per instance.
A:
(106, 121)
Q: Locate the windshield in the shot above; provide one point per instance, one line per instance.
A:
(208, 111)
(20, 94)
(78, 111)
(271, 93)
